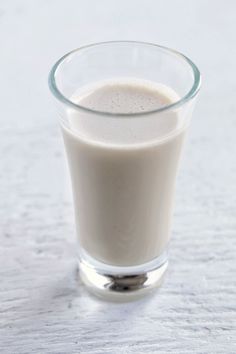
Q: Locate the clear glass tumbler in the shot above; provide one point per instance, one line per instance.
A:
(123, 165)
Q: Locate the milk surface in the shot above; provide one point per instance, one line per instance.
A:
(123, 192)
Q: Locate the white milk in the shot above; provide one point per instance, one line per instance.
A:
(123, 193)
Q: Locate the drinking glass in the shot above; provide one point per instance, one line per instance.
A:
(123, 232)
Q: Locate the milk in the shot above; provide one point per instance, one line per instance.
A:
(123, 192)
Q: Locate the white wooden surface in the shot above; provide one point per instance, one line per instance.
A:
(43, 306)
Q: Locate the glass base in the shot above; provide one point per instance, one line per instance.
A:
(121, 283)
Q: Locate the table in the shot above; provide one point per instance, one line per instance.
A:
(43, 306)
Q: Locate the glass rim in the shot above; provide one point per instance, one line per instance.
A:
(187, 97)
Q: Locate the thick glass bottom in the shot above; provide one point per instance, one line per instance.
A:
(122, 283)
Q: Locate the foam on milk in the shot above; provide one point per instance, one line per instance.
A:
(125, 96)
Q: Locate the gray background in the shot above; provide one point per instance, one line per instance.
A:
(42, 307)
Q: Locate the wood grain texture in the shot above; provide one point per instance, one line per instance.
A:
(43, 306)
